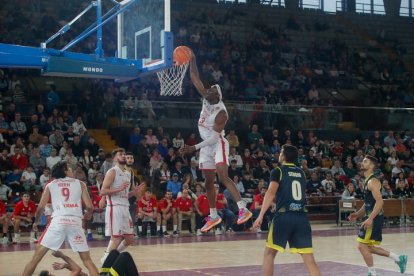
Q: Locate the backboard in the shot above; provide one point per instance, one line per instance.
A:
(141, 33)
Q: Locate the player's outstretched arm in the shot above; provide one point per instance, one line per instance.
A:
(267, 202)
(69, 264)
(87, 200)
(195, 76)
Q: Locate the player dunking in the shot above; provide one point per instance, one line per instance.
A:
(290, 223)
(66, 194)
(214, 149)
(370, 233)
(116, 189)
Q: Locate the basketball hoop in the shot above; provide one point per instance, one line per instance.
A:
(171, 80)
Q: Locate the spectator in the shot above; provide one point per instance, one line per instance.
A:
(93, 147)
(191, 140)
(29, 180)
(13, 180)
(249, 184)
(56, 138)
(5, 163)
(147, 210)
(235, 156)
(254, 135)
(93, 173)
(202, 208)
(174, 185)
(23, 215)
(167, 211)
(4, 221)
(19, 160)
(196, 173)
(178, 141)
(386, 190)
(249, 159)
(239, 184)
(5, 192)
(86, 159)
(328, 184)
(397, 169)
(257, 206)
(79, 173)
(78, 125)
(45, 148)
(314, 186)
(349, 192)
(18, 127)
(401, 191)
(223, 211)
(401, 178)
(44, 178)
(69, 135)
(77, 147)
(52, 98)
(152, 140)
(63, 149)
(178, 169)
(389, 140)
(349, 169)
(233, 170)
(233, 139)
(163, 148)
(35, 137)
(262, 172)
(53, 159)
(337, 168)
(72, 160)
(313, 94)
(18, 143)
(185, 210)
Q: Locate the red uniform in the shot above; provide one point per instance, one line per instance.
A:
(184, 205)
(149, 206)
(24, 211)
(163, 204)
(203, 205)
(220, 206)
(2, 208)
(258, 199)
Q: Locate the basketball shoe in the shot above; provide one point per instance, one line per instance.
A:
(210, 223)
(244, 215)
(402, 263)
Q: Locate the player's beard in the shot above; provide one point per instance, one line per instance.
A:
(122, 162)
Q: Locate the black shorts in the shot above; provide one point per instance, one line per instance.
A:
(372, 235)
(292, 227)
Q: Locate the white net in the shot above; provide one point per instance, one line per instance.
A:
(171, 80)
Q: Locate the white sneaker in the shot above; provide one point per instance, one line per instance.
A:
(199, 233)
(33, 240)
(5, 240)
(218, 231)
(16, 240)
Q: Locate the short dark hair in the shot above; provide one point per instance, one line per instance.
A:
(128, 153)
(371, 158)
(115, 151)
(59, 169)
(290, 152)
(44, 273)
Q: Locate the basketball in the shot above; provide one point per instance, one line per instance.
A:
(182, 54)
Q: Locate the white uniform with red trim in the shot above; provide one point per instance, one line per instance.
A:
(66, 224)
(118, 219)
(217, 153)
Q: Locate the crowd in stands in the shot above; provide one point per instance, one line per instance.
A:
(264, 68)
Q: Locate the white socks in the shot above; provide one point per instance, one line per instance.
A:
(174, 227)
(372, 271)
(121, 246)
(394, 256)
(241, 204)
(164, 228)
(213, 213)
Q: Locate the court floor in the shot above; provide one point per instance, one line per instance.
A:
(234, 254)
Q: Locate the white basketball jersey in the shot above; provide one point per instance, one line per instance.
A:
(208, 116)
(66, 197)
(120, 198)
